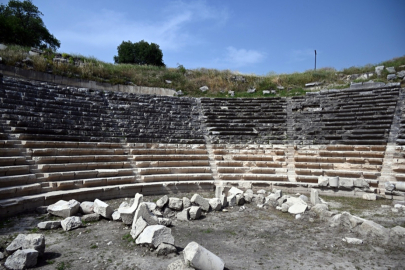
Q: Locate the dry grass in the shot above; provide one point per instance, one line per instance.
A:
(189, 81)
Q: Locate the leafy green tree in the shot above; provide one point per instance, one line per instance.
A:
(21, 24)
(141, 53)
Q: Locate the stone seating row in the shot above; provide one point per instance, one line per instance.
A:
(251, 162)
(347, 161)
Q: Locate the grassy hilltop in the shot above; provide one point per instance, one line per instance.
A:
(190, 80)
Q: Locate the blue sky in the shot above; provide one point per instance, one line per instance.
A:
(246, 36)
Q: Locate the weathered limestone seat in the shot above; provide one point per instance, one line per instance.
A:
(171, 162)
(251, 162)
(245, 120)
(346, 161)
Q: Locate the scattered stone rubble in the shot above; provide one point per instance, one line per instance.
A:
(151, 221)
(24, 251)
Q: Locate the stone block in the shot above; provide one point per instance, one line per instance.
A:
(315, 196)
(127, 213)
(345, 183)
(48, 225)
(199, 257)
(71, 223)
(154, 235)
(162, 201)
(22, 259)
(186, 202)
(215, 204)
(87, 207)
(144, 212)
(175, 203)
(102, 209)
(138, 227)
(183, 215)
(64, 209)
(334, 181)
(90, 217)
(200, 201)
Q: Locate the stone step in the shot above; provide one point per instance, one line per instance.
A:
(82, 166)
(168, 151)
(67, 144)
(180, 163)
(18, 191)
(169, 157)
(76, 159)
(72, 175)
(176, 177)
(173, 170)
(75, 151)
(9, 161)
(14, 170)
(251, 164)
(254, 177)
(17, 180)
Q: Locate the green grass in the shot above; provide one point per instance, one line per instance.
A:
(189, 80)
(63, 265)
(127, 237)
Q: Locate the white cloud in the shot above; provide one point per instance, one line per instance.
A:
(243, 57)
(171, 31)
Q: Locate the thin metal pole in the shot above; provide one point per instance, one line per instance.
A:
(315, 59)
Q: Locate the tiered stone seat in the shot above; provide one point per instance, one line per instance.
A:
(345, 161)
(245, 120)
(241, 162)
(70, 165)
(398, 167)
(171, 162)
(15, 176)
(33, 111)
(359, 116)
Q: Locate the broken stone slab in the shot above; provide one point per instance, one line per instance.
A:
(323, 181)
(370, 228)
(162, 201)
(297, 209)
(175, 203)
(320, 209)
(90, 217)
(116, 216)
(215, 204)
(360, 183)
(334, 181)
(71, 223)
(234, 191)
(138, 227)
(151, 205)
(22, 259)
(391, 77)
(204, 88)
(401, 74)
(16, 244)
(378, 70)
(127, 213)
(154, 235)
(390, 69)
(49, 225)
(186, 202)
(64, 209)
(200, 258)
(345, 219)
(266, 92)
(354, 241)
(312, 84)
(102, 209)
(369, 196)
(179, 265)
(248, 197)
(183, 215)
(200, 201)
(345, 183)
(164, 249)
(261, 191)
(315, 196)
(144, 212)
(87, 207)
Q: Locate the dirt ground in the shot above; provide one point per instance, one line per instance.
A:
(255, 238)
